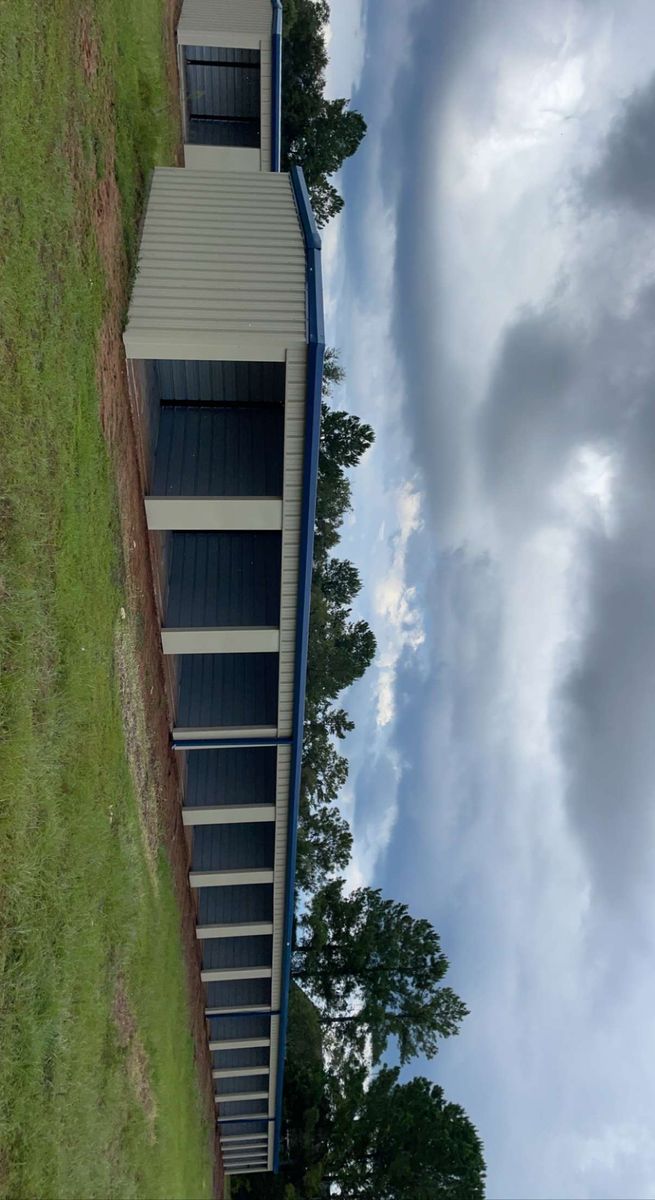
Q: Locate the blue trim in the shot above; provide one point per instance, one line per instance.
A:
(276, 86)
(315, 354)
(228, 743)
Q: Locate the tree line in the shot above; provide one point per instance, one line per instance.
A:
(368, 976)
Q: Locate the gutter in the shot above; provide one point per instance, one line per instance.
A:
(276, 86)
(315, 354)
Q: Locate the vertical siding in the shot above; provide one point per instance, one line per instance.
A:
(294, 433)
(222, 690)
(243, 1108)
(253, 1056)
(214, 90)
(236, 952)
(219, 452)
(233, 847)
(238, 993)
(219, 382)
(221, 266)
(236, 903)
(256, 1083)
(223, 580)
(231, 777)
(244, 1127)
(225, 1029)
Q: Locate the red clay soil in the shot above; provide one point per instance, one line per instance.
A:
(119, 415)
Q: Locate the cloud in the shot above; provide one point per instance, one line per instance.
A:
(495, 300)
(399, 622)
(626, 174)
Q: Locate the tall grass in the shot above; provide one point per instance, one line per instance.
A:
(86, 1109)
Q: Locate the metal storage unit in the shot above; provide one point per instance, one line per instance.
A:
(229, 65)
(225, 330)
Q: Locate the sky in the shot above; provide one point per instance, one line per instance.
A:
(490, 285)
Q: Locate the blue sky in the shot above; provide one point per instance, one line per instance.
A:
(491, 288)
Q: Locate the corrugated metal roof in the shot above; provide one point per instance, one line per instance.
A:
(225, 16)
(221, 258)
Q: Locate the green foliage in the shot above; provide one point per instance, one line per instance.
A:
(340, 649)
(403, 1141)
(344, 441)
(360, 1138)
(376, 971)
(317, 133)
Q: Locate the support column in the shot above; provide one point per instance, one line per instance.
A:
(198, 879)
(225, 974)
(240, 1044)
(229, 814)
(244, 1137)
(239, 513)
(239, 1072)
(235, 640)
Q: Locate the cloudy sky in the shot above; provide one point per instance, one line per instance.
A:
(491, 287)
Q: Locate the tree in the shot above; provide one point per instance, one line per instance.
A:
(325, 844)
(318, 134)
(344, 439)
(333, 372)
(403, 1141)
(376, 972)
(340, 650)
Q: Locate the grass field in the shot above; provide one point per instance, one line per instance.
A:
(98, 1092)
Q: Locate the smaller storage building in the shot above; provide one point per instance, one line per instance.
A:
(229, 56)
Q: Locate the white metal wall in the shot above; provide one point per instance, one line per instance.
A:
(221, 272)
(294, 432)
(208, 19)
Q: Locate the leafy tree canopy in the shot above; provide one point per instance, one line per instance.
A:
(376, 972)
(403, 1141)
(317, 133)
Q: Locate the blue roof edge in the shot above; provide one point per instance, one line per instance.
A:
(276, 88)
(315, 355)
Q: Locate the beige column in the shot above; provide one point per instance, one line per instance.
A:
(208, 512)
(240, 1044)
(229, 814)
(238, 1072)
(199, 879)
(224, 974)
(220, 641)
(251, 929)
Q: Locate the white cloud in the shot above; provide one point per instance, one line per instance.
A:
(345, 42)
(399, 619)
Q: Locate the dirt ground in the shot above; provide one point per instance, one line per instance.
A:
(118, 414)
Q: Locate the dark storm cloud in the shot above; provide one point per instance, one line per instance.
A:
(533, 415)
(438, 36)
(552, 394)
(626, 174)
(608, 701)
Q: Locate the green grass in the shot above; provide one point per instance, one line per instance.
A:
(84, 1111)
